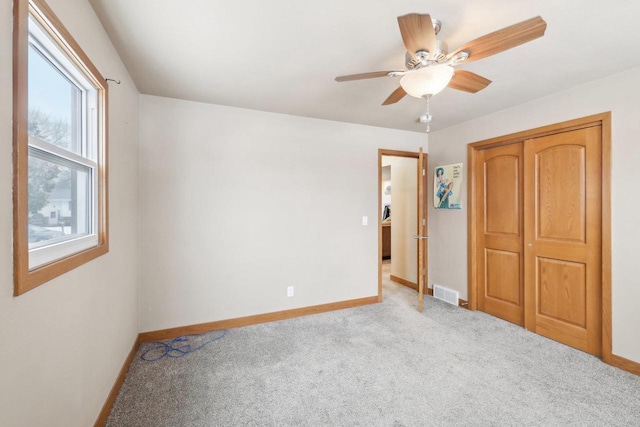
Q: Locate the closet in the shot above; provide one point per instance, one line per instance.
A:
(536, 252)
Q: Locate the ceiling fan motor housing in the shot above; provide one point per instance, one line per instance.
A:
(424, 57)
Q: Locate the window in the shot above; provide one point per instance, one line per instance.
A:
(60, 169)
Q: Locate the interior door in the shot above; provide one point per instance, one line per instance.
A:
(500, 237)
(563, 237)
(422, 228)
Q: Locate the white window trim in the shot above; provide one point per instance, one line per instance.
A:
(59, 60)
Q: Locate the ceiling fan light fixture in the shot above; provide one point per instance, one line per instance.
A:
(426, 81)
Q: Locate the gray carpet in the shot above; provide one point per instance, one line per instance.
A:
(380, 365)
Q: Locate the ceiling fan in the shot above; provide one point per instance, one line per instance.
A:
(429, 65)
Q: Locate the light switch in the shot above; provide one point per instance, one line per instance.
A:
(365, 220)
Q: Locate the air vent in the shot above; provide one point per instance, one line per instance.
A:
(445, 294)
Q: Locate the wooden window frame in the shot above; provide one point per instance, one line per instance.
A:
(25, 279)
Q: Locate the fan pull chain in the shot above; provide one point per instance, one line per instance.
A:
(426, 117)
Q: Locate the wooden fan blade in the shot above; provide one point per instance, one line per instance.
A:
(468, 81)
(362, 76)
(503, 39)
(395, 96)
(417, 33)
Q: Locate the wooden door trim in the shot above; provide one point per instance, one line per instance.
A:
(422, 228)
(604, 121)
(391, 153)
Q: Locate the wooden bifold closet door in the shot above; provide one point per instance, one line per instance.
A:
(563, 200)
(501, 232)
(538, 233)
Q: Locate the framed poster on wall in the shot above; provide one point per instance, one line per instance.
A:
(447, 186)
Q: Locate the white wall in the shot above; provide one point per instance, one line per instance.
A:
(618, 94)
(386, 180)
(64, 342)
(404, 217)
(239, 204)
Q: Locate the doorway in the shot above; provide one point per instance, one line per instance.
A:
(402, 220)
(539, 231)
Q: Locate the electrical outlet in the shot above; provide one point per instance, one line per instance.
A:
(289, 291)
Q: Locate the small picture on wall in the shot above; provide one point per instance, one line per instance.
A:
(447, 184)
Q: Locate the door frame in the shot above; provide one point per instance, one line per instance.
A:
(604, 121)
(391, 153)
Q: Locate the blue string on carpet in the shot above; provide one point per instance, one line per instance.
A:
(177, 347)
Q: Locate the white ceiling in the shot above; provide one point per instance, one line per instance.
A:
(282, 55)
